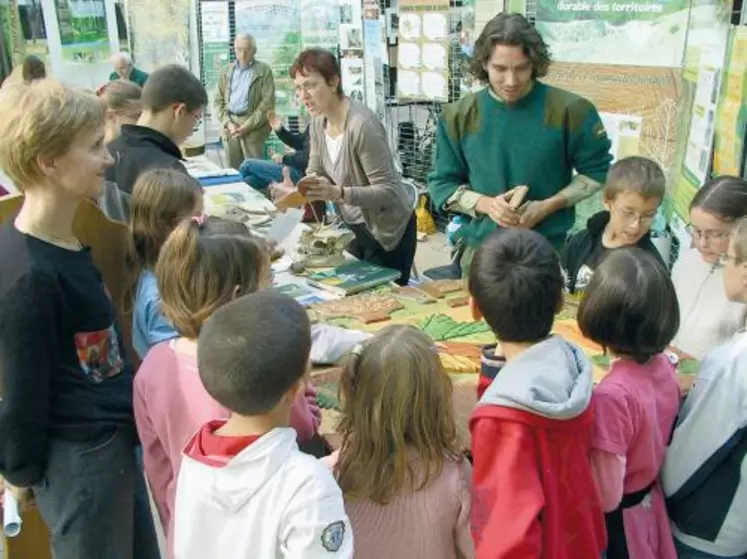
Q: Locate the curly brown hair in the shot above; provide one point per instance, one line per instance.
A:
(510, 30)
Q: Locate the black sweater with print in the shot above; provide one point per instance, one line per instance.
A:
(64, 373)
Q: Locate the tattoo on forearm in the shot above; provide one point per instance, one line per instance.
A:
(579, 189)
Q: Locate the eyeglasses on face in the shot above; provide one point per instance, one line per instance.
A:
(631, 217)
(707, 236)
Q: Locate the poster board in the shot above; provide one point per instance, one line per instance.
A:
(215, 54)
(423, 55)
(625, 57)
(731, 112)
(704, 56)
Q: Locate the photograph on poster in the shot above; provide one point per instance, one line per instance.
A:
(351, 37)
(650, 33)
(408, 56)
(350, 12)
(352, 73)
(435, 26)
(83, 30)
(434, 56)
(700, 140)
(624, 132)
(410, 27)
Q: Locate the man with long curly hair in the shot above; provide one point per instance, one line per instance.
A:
(518, 131)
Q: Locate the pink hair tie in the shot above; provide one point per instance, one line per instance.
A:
(199, 219)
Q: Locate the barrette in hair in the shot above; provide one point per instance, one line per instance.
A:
(199, 219)
(357, 350)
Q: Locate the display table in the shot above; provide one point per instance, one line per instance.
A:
(440, 317)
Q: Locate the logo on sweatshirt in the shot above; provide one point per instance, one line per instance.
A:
(333, 536)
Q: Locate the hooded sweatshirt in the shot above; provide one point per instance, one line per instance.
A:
(533, 491)
(707, 317)
(264, 502)
(705, 472)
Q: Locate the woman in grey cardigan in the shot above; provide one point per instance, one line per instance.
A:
(350, 164)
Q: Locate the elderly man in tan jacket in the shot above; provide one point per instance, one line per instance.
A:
(246, 91)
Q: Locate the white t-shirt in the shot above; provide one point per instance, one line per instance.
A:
(707, 318)
(333, 146)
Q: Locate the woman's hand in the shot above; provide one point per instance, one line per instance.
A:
(319, 189)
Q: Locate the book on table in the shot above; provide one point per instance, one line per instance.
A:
(302, 294)
(352, 277)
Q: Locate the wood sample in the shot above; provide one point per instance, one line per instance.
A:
(367, 308)
(294, 199)
(457, 302)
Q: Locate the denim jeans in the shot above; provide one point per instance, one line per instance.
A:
(259, 173)
(94, 501)
(687, 552)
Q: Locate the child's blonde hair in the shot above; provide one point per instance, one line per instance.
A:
(204, 264)
(42, 119)
(396, 399)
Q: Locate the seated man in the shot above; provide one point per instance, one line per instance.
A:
(173, 101)
(259, 173)
(125, 70)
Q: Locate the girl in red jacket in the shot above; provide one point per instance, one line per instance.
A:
(630, 308)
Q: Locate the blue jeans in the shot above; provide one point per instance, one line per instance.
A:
(259, 173)
(687, 552)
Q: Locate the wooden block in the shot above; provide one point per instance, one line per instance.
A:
(457, 302)
(293, 199)
(449, 286)
(414, 295)
(373, 317)
(430, 290)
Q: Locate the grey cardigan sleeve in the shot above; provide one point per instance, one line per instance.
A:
(315, 154)
(371, 148)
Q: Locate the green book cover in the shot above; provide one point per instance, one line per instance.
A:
(353, 277)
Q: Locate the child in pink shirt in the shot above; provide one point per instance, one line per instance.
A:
(204, 264)
(405, 483)
(631, 309)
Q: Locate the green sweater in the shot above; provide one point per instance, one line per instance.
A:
(539, 141)
(136, 76)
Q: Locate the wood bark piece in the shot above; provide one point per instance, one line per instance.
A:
(457, 302)
(293, 199)
(413, 294)
(367, 307)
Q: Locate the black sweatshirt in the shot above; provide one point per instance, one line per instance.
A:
(299, 142)
(64, 373)
(584, 250)
(137, 149)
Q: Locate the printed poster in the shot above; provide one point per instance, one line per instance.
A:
(624, 131)
(83, 30)
(615, 32)
(704, 56)
(320, 24)
(276, 26)
(216, 49)
(423, 55)
(700, 137)
(731, 114)
(353, 82)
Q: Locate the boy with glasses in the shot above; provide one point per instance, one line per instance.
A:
(635, 187)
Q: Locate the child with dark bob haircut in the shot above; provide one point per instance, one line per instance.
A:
(630, 307)
(533, 490)
(245, 489)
